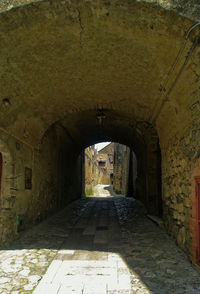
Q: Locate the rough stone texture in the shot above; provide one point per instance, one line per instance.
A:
(93, 174)
(190, 9)
(54, 177)
(90, 165)
(8, 227)
(57, 177)
(121, 169)
(140, 258)
(25, 261)
(180, 166)
(109, 152)
(73, 41)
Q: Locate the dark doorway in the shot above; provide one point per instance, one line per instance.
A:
(111, 178)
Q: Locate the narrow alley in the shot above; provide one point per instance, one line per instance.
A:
(75, 74)
(97, 245)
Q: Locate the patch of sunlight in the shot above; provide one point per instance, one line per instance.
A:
(100, 146)
(102, 191)
(169, 4)
(84, 271)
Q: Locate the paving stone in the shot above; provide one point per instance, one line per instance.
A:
(4, 280)
(24, 272)
(34, 279)
(29, 287)
(137, 256)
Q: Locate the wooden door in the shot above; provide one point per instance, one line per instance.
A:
(198, 219)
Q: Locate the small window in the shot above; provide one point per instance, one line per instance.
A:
(102, 163)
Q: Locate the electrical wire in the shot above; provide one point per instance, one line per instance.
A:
(152, 119)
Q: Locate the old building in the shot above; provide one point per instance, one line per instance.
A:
(97, 169)
(74, 73)
(90, 169)
(121, 169)
(105, 158)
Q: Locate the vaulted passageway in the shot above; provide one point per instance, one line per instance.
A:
(76, 73)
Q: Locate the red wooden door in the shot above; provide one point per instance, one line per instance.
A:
(198, 219)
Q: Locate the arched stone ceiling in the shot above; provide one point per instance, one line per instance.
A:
(190, 9)
(89, 127)
(60, 57)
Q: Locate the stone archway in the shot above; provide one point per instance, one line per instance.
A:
(86, 56)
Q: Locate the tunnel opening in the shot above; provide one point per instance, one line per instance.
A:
(135, 174)
(96, 78)
(58, 164)
(105, 81)
(63, 157)
(109, 163)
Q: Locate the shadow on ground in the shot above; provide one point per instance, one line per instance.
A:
(152, 257)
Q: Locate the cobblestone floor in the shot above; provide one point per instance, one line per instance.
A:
(97, 245)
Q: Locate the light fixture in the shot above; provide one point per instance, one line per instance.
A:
(6, 102)
(100, 116)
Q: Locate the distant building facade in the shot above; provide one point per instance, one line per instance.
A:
(113, 165)
(121, 169)
(105, 158)
(98, 168)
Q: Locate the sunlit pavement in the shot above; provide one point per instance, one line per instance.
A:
(97, 245)
(103, 191)
(89, 265)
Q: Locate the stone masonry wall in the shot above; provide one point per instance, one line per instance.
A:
(89, 163)
(14, 198)
(57, 174)
(36, 183)
(94, 175)
(180, 165)
(121, 168)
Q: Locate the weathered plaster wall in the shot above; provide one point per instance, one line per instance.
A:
(56, 180)
(57, 174)
(90, 166)
(121, 169)
(94, 174)
(15, 200)
(75, 54)
(139, 175)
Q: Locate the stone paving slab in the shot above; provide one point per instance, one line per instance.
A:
(138, 255)
(92, 271)
(25, 261)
